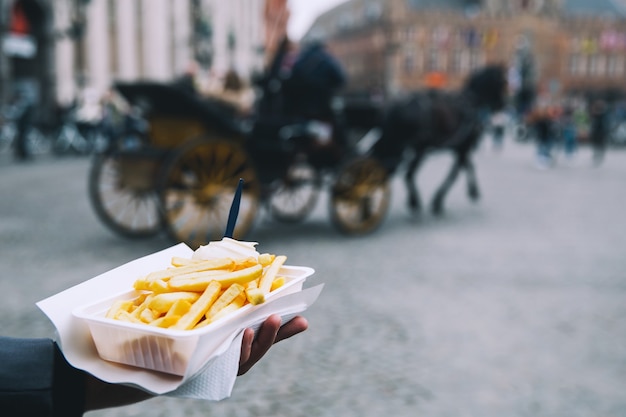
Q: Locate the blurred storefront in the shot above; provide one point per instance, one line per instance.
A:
(554, 47)
(69, 46)
(26, 54)
(106, 40)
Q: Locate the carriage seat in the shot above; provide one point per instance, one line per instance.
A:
(168, 101)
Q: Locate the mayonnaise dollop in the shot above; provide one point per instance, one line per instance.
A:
(227, 248)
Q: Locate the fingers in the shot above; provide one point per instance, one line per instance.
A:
(246, 346)
(270, 332)
(259, 345)
(296, 325)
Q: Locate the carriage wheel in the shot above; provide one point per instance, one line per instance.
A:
(360, 197)
(125, 202)
(197, 187)
(295, 195)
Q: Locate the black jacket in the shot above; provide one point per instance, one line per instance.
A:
(36, 381)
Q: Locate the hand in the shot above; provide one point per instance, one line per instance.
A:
(101, 394)
(254, 348)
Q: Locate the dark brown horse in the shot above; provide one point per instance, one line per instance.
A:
(430, 120)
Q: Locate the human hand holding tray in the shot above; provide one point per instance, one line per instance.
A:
(211, 367)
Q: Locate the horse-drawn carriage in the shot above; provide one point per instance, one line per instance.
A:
(180, 175)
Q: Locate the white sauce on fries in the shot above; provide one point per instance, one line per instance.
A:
(227, 248)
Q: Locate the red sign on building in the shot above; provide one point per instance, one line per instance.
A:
(19, 42)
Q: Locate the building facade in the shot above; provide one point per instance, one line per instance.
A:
(26, 50)
(238, 35)
(119, 40)
(158, 40)
(92, 43)
(559, 46)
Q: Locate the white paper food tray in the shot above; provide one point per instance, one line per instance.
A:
(177, 352)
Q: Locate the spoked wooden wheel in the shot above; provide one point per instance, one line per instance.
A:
(360, 197)
(197, 189)
(294, 196)
(123, 194)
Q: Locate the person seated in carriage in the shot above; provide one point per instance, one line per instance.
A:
(230, 92)
(296, 102)
(316, 76)
(314, 79)
(300, 84)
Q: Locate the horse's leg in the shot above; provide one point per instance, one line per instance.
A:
(472, 183)
(440, 195)
(414, 201)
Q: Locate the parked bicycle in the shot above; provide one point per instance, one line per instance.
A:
(75, 136)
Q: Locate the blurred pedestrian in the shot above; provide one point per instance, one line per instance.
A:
(89, 114)
(114, 112)
(232, 81)
(568, 131)
(542, 121)
(237, 92)
(188, 81)
(24, 99)
(581, 119)
(598, 113)
(498, 127)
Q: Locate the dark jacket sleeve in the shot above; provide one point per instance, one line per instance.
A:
(36, 381)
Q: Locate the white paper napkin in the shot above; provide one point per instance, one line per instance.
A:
(214, 381)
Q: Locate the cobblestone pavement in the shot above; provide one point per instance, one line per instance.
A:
(515, 306)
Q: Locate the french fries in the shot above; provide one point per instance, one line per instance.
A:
(191, 294)
(199, 281)
(265, 284)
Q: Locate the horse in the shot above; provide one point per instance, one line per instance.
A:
(428, 120)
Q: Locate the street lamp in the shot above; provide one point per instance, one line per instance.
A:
(232, 45)
(526, 74)
(202, 36)
(76, 33)
(4, 61)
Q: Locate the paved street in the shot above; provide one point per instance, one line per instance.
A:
(511, 307)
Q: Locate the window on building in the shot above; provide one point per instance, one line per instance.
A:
(477, 59)
(440, 36)
(444, 62)
(582, 65)
(345, 21)
(432, 60)
(575, 43)
(318, 33)
(464, 61)
(593, 65)
(432, 37)
(420, 60)
(378, 40)
(373, 10)
(356, 64)
(409, 61)
(411, 33)
(601, 66)
(573, 64)
(615, 66)
(455, 65)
